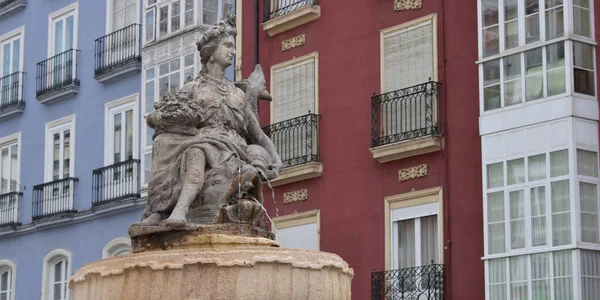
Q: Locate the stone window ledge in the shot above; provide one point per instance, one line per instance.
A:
(11, 111)
(119, 72)
(298, 173)
(292, 19)
(11, 7)
(404, 149)
(54, 95)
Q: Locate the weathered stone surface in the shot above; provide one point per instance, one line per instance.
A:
(253, 270)
(156, 238)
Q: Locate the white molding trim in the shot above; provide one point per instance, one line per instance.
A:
(11, 139)
(73, 8)
(62, 122)
(6, 264)
(50, 258)
(115, 243)
(123, 104)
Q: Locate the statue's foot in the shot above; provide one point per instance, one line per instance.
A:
(175, 222)
(152, 220)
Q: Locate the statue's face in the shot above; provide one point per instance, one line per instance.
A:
(225, 52)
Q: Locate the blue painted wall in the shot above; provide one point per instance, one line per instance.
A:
(85, 239)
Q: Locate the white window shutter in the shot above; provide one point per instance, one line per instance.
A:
(301, 237)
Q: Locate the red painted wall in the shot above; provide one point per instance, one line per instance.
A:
(350, 193)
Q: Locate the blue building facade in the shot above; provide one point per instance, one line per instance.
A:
(78, 78)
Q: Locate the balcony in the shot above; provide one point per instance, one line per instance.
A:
(116, 182)
(405, 122)
(282, 15)
(9, 7)
(11, 95)
(56, 77)
(9, 209)
(118, 54)
(297, 141)
(423, 283)
(54, 198)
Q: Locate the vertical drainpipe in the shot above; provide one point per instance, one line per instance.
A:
(448, 244)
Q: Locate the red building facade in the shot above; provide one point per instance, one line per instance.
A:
(375, 112)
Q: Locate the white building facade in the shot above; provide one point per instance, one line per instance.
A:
(539, 141)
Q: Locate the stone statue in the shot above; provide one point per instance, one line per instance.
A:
(210, 155)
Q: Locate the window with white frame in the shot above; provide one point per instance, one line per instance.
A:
(9, 164)
(56, 274)
(171, 16)
(118, 247)
(122, 13)
(415, 236)
(294, 86)
(587, 174)
(408, 55)
(170, 76)
(536, 276)
(7, 280)
(536, 74)
(11, 46)
(63, 30)
(529, 21)
(529, 192)
(590, 274)
(300, 230)
(59, 149)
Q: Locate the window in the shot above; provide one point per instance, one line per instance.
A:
(150, 25)
(583, 68)
(417, 242)
(121, 147)
(294, 85)
(11, 47)
(590, 274)
(60, 150)
(63, 30)
(544, 275)
(536, 196)
(121, 130)
(529, 76)
(189, 12)
(408, 55)
(9, 164)
(118, 247)
(56, 274)
(539, 25)
(582, 18)
(123, 13)
(166, 76)
(587, 171)
(300, 230)
(210, 12)
(7, 280)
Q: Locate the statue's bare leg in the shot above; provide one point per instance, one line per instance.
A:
(193, 180)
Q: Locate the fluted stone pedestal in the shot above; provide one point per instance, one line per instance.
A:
(202, 264)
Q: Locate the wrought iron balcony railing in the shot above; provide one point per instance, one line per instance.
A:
(116, 182)
(405, 114)
(9, 208)
(53, 198)
(296, 139)
(273, 9)
(117, 49)
(424, 283)
(11, 91)
(57, 72)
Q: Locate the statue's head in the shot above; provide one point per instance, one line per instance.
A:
(218, 43)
